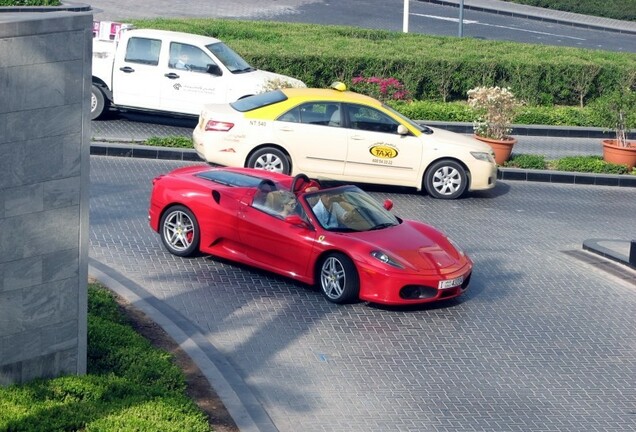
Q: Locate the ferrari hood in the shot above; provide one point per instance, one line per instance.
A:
(417, 247)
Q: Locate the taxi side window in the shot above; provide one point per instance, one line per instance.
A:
(188, 57)
(143, 50)
(320, 113)
(369, 119)
(293, 115)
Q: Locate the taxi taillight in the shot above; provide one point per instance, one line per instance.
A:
(213, 125)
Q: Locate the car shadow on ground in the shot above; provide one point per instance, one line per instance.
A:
(148, 118)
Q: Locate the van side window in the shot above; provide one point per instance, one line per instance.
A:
(188, 57)
(143, 50)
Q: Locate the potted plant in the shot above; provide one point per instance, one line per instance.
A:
(495, 109)
(618, 113)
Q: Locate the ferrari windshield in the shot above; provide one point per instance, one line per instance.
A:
(348, 208)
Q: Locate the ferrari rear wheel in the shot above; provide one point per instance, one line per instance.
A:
(270, 159)
(180, 231)
(339, 280)
(445, 179)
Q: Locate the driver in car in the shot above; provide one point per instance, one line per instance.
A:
(330, 211)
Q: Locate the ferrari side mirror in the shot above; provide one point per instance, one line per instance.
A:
(296, 220)
(388, 204)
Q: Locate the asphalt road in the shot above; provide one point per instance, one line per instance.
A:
(425, 18)
(543, 340)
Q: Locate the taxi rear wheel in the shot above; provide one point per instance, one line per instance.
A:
(445, 179)
(270, 159)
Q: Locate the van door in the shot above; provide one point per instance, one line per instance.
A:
(137, 74)
(191, 80)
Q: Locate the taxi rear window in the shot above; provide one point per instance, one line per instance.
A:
(258, 101)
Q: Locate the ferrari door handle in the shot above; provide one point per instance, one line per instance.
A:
(126, 69)
(171, 75)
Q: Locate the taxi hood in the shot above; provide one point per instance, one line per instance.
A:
(447, 138)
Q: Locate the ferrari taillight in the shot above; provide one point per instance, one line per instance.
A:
(213, 125)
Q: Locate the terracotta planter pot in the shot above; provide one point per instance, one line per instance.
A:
(620, 155)
(502, 148)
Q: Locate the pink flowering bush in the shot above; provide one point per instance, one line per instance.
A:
(383, 89)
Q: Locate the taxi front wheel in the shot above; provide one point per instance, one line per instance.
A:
(270, 159)
(445, 179)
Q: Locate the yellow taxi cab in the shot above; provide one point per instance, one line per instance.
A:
(336, 134)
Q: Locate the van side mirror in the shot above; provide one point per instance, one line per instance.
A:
(214, 70)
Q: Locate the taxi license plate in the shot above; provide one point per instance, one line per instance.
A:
(445, 284)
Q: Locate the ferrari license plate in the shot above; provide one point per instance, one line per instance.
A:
(445, 284)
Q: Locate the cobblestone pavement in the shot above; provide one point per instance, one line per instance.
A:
(542, 341)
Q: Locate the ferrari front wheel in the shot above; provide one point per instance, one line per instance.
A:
(180, 231)
(270, 159)
(339, 280)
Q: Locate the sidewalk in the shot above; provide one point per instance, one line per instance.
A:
(542, 14)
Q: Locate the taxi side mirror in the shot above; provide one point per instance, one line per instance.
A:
(402, 130)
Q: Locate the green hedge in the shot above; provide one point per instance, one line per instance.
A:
(130, 386)
(431, 67)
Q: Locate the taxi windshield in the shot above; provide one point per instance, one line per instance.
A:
(348, 209)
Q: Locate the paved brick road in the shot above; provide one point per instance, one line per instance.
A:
(541, 342)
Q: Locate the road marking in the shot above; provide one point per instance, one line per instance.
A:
(497, 26)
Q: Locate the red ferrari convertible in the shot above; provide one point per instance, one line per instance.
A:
(339, 238)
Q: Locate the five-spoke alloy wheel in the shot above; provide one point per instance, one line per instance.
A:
(339, 280)
(180, 231)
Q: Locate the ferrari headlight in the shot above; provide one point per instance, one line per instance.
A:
(482, 156)
(386, 259)
(457, 248)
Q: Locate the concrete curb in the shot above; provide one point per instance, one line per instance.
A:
(621, 251)
(247, 412)
(513, 174)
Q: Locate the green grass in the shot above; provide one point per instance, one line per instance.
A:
(130, 385)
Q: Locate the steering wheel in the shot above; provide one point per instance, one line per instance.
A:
(296, 182)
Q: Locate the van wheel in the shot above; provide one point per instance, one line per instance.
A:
(98, 102)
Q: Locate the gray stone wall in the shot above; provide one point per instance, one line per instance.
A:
(45, 70)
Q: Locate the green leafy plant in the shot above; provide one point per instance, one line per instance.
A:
(130, 385)
(170, 141)
(495, 109)
(593, 164)
(526, 161)
(617, 112)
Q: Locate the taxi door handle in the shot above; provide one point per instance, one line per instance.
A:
(171, 75)
(286, 129)
(357, 137)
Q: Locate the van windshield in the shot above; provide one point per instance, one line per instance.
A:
(234, 62)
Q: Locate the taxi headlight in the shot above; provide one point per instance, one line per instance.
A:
(482, 156)
(386, 259)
